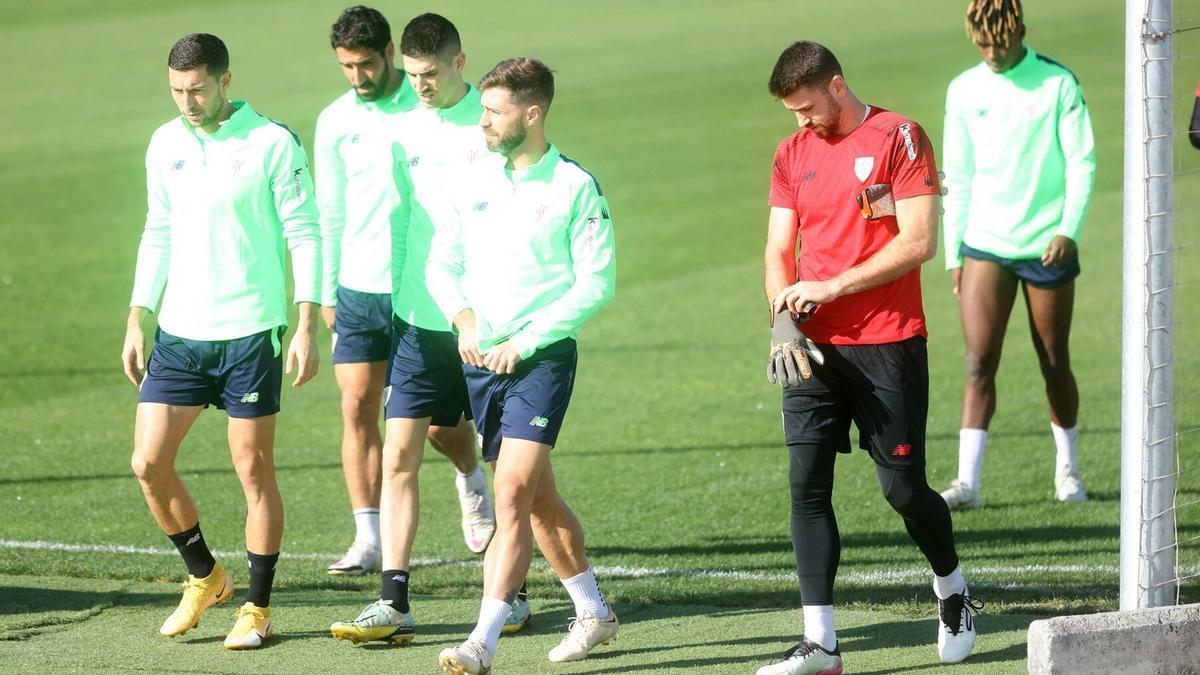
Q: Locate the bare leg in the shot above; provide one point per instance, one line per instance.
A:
(986, 299)
(519, 473)
(1050, 312)
(362, 447)
(558, 532)
(157, 433)
(457, 443)
(252, 447)
(399, 511)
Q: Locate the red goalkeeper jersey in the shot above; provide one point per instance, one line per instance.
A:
(819, 179)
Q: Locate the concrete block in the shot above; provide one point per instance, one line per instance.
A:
(1160, 641)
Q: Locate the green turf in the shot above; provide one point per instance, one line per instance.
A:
(672, 453)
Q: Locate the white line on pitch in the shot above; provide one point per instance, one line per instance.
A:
(896, 577)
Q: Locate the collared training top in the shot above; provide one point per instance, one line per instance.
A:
(820, 178)
(439, 146)
(1018, 157)
(357, 190)
(531, 252)
(220, 208)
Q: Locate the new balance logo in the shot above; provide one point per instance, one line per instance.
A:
(479, 206)
(252, 397)
(177, 165)
(902, 450)
(414, 161)
(195, 538)
(541, 422)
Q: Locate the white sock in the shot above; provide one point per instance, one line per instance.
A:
(585, 593)
(366, 526)
(492, 613)
(1065, 443)
(476, 481)
(818, 626)
(950, 584)
(971, 443)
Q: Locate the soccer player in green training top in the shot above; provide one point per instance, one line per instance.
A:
(1019, 165)
(361, 205)
(228, 190)
(434, 144)
(527, 260)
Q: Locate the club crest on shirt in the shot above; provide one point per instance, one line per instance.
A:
(237, 166)
(863, 166)
(472, 155)
(540, 211)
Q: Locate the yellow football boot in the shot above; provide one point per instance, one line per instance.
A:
(250, 628)
(198, 595)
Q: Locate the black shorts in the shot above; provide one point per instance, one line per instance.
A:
(529, 404)
(1031, 271)
(883, 389)
(362, 327)
(426, 377)
(243, 377)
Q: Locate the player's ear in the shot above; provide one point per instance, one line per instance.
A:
(226, 78)
(837, 84)
(533, 114)
(389, 53)
(460, 61)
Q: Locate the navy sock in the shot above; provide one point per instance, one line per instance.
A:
(192, 547)
(262, 575)
(394, 588)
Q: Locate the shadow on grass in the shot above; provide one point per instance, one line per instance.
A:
(883, 637)
(282, 468)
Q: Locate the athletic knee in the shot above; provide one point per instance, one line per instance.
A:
(1055, 365)
(905, 491)
(148, 469)
(360, 410)
(254, 471)
(980, 367)
(399, 461)
(513, 501)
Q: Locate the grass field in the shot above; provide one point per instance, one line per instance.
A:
(672, 454)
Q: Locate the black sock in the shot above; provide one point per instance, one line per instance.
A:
(395, 588)
(195, 551)
(262, 575)
(523, 593)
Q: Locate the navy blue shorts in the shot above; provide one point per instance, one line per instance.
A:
(1030, 270)
(426, 377)
(362, 327)
(883, 389)
(529, 404)
(243, 376)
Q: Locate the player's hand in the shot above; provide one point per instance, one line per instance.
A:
(956, 280)
(302, 352)
(502, 359)
(802, 297)
(327, 314)
(788, 361)
(133, 354)
(1061, 251)
(468, 344)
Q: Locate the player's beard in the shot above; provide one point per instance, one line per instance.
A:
(210, 117)
(506, 143)
(375, 89)
(835, 113)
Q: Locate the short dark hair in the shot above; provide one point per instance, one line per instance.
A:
(529, 80)
(359, 27)
(803, 64)
(199, 49)
(430, 35)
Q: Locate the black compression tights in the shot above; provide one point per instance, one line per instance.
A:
(814, 528)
